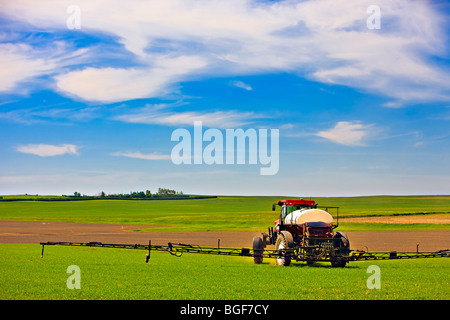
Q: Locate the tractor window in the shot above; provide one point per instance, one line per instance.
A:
(293, 208)
(283, 212)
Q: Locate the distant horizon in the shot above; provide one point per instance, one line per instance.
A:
(241, 195)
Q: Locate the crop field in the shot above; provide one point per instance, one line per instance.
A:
(223, 213)
(109, 274)
(122, 274)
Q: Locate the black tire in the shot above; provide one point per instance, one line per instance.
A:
(337, 263)
(343, 246)
(284, 241)
(257, 250)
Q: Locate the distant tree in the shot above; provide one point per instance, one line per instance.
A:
(166, 192)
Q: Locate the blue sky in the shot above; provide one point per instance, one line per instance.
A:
(360, 111)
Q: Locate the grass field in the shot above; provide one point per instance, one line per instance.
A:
(122, 274)
(222, 213)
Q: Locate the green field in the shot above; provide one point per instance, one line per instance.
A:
(122, 274)
(222, 213)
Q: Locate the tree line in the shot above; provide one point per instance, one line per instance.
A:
(161, 194)
(147, 194)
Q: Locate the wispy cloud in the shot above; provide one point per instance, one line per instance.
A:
(240, 84)
(48, 150)
(348, 133)
(218, 119)
(19, 63)
(392, 104)
(139, 155)
(59, 112)
(24, 62)
(325, 40)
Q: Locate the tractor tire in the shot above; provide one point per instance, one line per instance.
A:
(343, 245)
(258, 250)
(336, 263)
(284, 241)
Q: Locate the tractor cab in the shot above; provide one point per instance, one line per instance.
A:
(297, 204)
(307, 212)
(289, 206)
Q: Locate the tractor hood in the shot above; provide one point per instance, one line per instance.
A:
(308, 215)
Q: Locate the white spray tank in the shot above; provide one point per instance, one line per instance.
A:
(308, 215)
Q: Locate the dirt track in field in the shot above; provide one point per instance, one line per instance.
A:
(36, 232)
(429, 218)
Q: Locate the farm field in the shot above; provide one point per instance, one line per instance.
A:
(228, 213)
(109, 274)
(117, 274)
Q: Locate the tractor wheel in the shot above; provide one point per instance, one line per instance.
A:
(343, 246)
(257, 250)
(284, 241)
(336, 263)
(345, 243)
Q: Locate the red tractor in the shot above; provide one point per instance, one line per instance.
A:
(304, 233)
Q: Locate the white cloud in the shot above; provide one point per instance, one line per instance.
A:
(138, 155)
(47, 150)
(324, 40)
(392, 104)
(217, 119)
(18, 64)
(22, 62)
(242, 85)
(349, 133)
(117, 84)
(47, 113)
